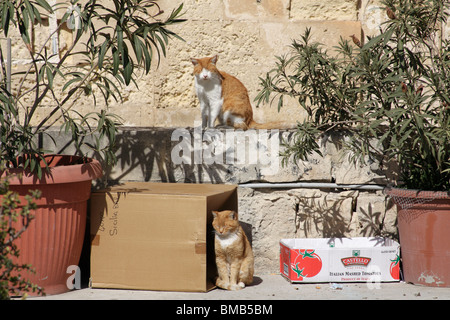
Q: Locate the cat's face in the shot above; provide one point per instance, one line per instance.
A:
(205, 68)
(225, 222)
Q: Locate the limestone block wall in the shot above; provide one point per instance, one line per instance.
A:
(311, 213)
(247, 35)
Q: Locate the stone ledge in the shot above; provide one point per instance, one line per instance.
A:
(226, 156)
(148, 154)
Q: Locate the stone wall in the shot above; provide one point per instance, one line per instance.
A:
(247, 35)
(311, 213)
(272, 212)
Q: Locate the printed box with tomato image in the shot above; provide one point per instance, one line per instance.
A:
(362, 259)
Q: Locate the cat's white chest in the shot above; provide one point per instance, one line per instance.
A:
(210, 90)
(228, 240)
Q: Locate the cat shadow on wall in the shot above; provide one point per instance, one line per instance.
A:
(247, 227)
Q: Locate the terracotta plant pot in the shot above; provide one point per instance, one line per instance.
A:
(54, 238)
(424, 230)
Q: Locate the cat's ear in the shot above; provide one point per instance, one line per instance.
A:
(214, 59)
(194, 61)
(214, 213)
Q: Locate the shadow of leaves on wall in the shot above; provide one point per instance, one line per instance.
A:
(145, 155)
(316, 217)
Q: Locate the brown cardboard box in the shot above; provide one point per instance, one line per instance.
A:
(156, 236)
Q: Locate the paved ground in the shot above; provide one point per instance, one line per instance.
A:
(273, 287)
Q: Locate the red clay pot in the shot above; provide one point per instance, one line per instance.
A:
(424, 231)
(54, 238)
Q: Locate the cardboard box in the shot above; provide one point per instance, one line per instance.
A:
(156, 236)
(339, 260)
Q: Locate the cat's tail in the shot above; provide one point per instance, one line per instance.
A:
(271, 125)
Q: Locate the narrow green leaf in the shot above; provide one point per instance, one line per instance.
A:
(115, 61)
(49, 76)
(138, 47)
(71, 81)
(280, 103)
(101, 54)
(44, 4)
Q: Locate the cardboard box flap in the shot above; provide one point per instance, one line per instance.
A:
(338, 243)
(188, 189)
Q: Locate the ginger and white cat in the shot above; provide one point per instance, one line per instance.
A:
(223, 97)
(234, 255)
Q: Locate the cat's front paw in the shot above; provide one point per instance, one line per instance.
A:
(238, 286)
(223, 284)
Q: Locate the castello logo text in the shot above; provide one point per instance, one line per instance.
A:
(355, 261)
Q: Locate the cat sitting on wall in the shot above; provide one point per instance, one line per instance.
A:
(223, 97)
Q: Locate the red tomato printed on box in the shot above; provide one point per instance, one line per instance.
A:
(394, 268)
(307, 264)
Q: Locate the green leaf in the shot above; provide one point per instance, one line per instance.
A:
(102, 53)
(71, 81)
(44, 4)
(119, 39)
(373, 41)
(280, 103)
(49, 76)
(138, 47)
(116, 61)
(148, 58)
(127, 66)
(388, 35)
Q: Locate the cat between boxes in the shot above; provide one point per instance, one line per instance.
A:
(234, 255)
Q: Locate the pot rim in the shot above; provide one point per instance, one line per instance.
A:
(59, 173)
(416, 193)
